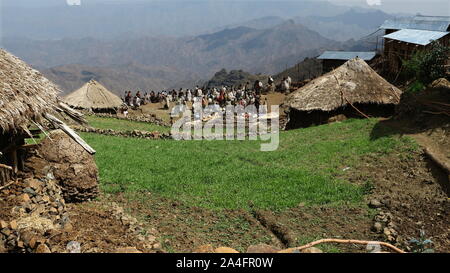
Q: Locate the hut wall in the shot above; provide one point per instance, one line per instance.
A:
(303, 119)
(395, 51)
(6, 173)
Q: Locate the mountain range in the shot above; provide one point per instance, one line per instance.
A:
(143, 61)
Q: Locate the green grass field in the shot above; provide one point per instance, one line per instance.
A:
(236, 174)
(124, 125)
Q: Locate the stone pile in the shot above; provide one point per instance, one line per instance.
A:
(149, 118)
(147, 238)
(383, 221)
(134, 133)
(37, 208)
(61, 158)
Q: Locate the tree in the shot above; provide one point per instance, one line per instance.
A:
(425, 66)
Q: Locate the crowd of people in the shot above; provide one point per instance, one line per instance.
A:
(244, 95)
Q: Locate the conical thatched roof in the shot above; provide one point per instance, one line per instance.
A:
(24, 93)
(93, 95)
(353, 82)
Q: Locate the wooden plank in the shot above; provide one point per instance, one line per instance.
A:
(61, 125)
(28, 146)
(72, 113)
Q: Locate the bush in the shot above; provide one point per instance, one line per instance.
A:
(416, 86)
(426, 66)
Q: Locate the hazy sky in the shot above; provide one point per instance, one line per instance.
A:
(428, 7)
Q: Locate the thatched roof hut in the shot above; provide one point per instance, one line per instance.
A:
(26, 97)
(24, 94)
(93, 96)
(353, 84)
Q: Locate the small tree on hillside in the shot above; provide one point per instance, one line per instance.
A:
(427, 65)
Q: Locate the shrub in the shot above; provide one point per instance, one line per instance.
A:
(427, 65)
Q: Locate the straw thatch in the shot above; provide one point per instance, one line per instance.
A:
(25, 95)
(355, 82)
(93, 96)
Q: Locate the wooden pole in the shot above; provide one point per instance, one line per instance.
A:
(61, 125)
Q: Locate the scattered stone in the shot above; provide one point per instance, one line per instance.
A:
(262, 248)
(25, 198)
(312, 250)
(33, 183)
(5, 231)
(2, 247)
(3, 224)
(156, 246)
(377, 227)
(13, 224)
(33, 242)
(73, 247)
(30, 191)
(42, 248)
(68, 226)
(127, 250)
(225, 250)
(374, 203)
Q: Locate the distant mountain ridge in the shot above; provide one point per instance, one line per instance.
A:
(112, 19)
(265, 45)
(171, 60)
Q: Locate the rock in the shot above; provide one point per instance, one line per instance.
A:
(33, 242)
(127, 250)
(204, 249)
(73, 247)
(156, 246)
(377, 227)
(262, 248)
(311, 250)
(3, 247)
(225, 250)
(374, 203)
(6, 232)
(42, 248)
(33, 183)
(20, 244)
(73, 168)
(68, 227)
(24, 198)
(13, 224)
(3, 224)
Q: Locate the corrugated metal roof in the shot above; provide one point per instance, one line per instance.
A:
(432, 18)
(346, 55)
(415, 36)
(419, 22)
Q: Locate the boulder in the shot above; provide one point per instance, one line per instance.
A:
(73, 167)
(42, 248)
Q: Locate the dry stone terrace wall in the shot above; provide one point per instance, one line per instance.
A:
(37, 207)
(142, 118)
(134, 133)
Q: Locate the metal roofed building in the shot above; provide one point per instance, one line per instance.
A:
(416, 36)
(334, 59)
(405, 36)
(432, 23)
